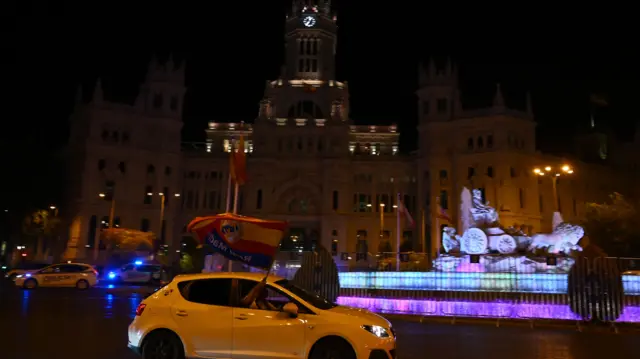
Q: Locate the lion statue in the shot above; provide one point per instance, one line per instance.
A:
(563, 239)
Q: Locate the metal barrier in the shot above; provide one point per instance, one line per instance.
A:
(605, 290)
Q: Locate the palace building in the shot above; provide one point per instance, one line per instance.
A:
(308, 163)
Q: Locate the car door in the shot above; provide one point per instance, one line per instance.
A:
(69, 275)
(50, 276)
(203, 313)
(267, 334)
(126, 273)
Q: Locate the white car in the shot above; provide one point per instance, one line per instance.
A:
(24, 269)
(200, 316)
(137, 272)
(78, 275)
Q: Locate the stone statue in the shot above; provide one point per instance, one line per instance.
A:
(483, 214)
(450, 240)
(563, 239)
(482, 233)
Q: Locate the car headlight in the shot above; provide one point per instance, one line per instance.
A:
(376, 330)
(19, 276)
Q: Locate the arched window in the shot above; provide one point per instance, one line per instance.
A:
(480, 142)
(470, 143)
(305, 109)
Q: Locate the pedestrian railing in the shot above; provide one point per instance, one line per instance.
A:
(561, 288)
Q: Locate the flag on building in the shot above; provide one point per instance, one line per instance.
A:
(402, 210)
(238, 163)
(251, 241)
(440, 212)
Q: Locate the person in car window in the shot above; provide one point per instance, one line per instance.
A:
(257, 297)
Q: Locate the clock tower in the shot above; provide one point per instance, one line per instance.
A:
(306, 94)
(311, 35)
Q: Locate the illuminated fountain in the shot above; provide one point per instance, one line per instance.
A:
(488, 271)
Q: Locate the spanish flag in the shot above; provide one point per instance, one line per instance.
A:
(238, 163)
(249, 240)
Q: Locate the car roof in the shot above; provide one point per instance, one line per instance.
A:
(235, 275)
(70, 263)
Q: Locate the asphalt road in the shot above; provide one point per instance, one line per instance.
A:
(68, 324)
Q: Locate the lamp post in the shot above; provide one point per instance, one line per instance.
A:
(163, 202)
(381, 221)
(554, 173)
(96, 240)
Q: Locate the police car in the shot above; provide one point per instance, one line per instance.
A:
(136, 272)
(78, 275)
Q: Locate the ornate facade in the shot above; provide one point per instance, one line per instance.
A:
(334, 181)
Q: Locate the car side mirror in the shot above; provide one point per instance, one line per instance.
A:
(291, 309)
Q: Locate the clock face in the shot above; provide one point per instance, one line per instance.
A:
(309, 21)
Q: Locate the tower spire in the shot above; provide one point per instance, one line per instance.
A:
(498, 99)
(98, 95)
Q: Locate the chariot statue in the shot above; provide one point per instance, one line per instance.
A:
(482, 232)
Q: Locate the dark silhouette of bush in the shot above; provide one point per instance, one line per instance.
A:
(319, 274)
(595, 289)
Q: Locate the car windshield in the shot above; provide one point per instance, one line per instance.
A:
(309, 297)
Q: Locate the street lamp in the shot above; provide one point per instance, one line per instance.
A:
(163, 201)
(381, 220)
(554, 173)
(96, 240)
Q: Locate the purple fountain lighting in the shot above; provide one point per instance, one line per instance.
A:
(548, 283)
(505, 310)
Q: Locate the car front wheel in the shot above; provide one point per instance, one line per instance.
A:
(162, 345)
(332, 348)
(30, 284)
(82, 284)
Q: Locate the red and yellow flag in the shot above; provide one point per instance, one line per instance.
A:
(238, 163)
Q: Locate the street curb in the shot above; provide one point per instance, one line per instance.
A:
(533, 323)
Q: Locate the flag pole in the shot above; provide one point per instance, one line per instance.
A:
(229, 184)
(398, 235)
(235, 211)
(235, 198)
(435, 245)
(228, 207)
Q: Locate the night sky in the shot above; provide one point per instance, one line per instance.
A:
(231, 49)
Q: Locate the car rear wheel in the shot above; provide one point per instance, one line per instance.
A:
(30, 284)
(162, 345)
(82, 284)
(332, 348)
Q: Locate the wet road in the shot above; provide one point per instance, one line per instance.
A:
(67, 324)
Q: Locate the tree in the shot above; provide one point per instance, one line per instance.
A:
(41, 230)
(127, 240)
(614, 226)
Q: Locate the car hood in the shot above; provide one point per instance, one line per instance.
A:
(365, 316)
